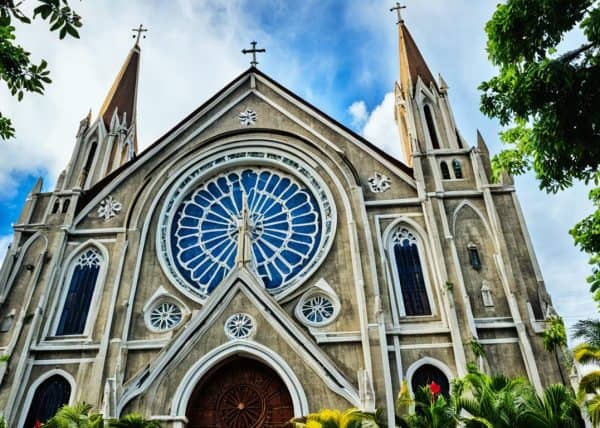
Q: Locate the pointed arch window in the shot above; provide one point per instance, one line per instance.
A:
(49, 396)
(82, 283)
(457, 167)
(65, 207)
(90, 158)
(445, 170)
(428, 373)
(407, 263)
(431, 126)
(56, 207)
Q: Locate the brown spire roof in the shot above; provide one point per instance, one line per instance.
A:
(123, 93)
(412, 63)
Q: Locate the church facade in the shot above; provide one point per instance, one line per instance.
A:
(261, 261)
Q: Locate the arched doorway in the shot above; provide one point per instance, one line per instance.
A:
(240, 393)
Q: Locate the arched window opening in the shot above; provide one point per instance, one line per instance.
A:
(56, 207)
(428, 374)
(456, 166)
(474, 258)
(445, 171)
(90, 158)
(410, 273)
(66, 204)
(431, 127)
(459, 140)
(83, 278)
(50, 395)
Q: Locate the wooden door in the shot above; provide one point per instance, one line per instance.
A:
(241, 393)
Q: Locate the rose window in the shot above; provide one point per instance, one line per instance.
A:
(283, 219)
(318, 309)
(239, 326)
(165, 316)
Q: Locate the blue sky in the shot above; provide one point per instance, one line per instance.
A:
(336, 54)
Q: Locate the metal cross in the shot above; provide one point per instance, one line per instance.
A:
(253, 51)
(398, 8)
(139, 32)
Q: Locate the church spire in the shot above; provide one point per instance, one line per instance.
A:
(122, 97)
(412, 63)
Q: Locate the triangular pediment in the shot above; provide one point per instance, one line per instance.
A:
(242, 290)
(284, 113)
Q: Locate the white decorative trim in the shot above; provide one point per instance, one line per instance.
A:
(379, 183)
(247, 117)
(240, 326)
(109, 208)
(427, 361)
(236, 348)
(32, 388)
(325, 302)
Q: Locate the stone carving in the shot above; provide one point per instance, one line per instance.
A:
(379, 183)
(109, 208)
(247, 117)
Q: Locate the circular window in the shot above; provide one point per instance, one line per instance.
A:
(288, 217)
(317, 309)
(239, 326)
(164, 316)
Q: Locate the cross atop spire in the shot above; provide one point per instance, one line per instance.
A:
(139, 32)
(398, 8)
(253, 51)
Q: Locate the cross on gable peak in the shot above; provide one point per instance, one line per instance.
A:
(253, 51)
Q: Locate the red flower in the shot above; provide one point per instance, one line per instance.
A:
(37, 424)
(434, 388)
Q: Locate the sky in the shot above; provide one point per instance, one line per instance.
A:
(340, 55)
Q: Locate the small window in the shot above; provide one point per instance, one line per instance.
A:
(90, 158)
(431, 127)
(428, 374)
(445, 171)
(49, 396)
(457, 168)
(459, 140)
(66, 204)
(474, 258)
(56, 207)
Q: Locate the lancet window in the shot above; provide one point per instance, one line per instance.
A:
(428, 374)
(82, 279)
(445, 171)
(49, 396)
(408, 267)
(431, 127)
(457, 167)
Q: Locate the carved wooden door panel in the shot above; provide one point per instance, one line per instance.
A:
(241, 393)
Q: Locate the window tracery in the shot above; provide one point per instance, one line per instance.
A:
(240, 326)
(82, 283)
(407, 265)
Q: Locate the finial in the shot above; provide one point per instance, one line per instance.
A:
(139, 32)
(253, 51)
(398, 8)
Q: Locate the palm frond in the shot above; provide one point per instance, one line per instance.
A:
(588, 330)
(586, 353)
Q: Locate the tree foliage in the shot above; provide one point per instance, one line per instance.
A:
(17, 69)
(549, 99)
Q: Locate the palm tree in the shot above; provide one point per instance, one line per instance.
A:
(77, 416)
(133, 420)
(589, 353)
(556, 408)
(432, 409)
(328, 418)
(491, 401)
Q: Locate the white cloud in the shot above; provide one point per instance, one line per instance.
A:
(359, 113)
(380, 127)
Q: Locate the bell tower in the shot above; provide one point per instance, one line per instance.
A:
(109, 141)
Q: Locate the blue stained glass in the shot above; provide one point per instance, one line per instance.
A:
(285, 222)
